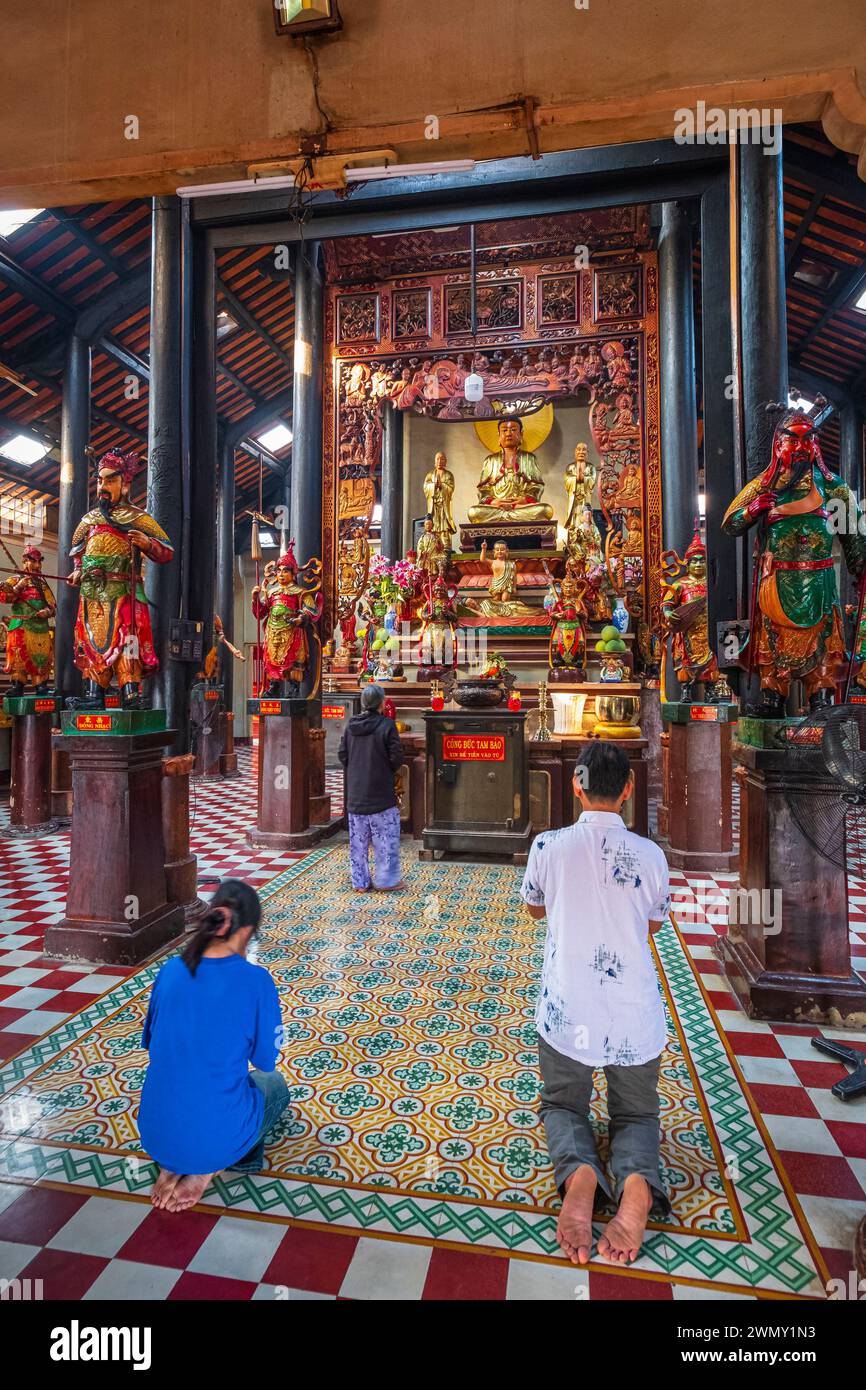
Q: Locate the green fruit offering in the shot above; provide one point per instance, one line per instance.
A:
(601, 645)
(609, 632)
(616, 644)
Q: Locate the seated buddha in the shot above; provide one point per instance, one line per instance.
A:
(511, 486)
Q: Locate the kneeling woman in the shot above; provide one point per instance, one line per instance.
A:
(211, 1014)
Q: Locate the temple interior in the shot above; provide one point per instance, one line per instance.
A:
(522, 441)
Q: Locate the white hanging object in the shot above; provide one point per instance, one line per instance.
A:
(473, 387)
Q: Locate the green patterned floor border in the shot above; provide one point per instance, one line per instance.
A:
(776, 1259)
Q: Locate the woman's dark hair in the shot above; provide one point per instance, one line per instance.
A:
(603, 770)
(246, 911)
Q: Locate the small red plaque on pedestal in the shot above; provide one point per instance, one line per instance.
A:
(92, 723)
(707, 713)
(270, 707)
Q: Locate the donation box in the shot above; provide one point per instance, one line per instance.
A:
(477, 783)
(337, 710)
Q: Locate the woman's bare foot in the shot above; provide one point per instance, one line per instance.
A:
(188, 1191)
(623, 1235)
(360, 890)
(163, 1187)
(395, 888)
(574, 1228)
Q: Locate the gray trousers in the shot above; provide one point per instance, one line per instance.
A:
(633, 1108)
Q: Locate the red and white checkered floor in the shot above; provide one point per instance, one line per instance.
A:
(99, 1247)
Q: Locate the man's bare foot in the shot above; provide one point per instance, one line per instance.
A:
(189, 1190)
(574, 1228)
(623, 1235)
(163, 1187)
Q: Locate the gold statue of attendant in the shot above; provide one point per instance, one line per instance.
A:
(511, 485)
(501, 586)
(579, 486)
(439, 490)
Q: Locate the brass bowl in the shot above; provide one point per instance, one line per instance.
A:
(478, 694)
(617, 709)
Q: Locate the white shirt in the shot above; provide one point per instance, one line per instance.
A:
(599, 1000)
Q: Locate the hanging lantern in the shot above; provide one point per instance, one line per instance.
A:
(255, 541)
(473, 387)
(307, 16)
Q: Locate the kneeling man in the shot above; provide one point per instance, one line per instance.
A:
(604, 890)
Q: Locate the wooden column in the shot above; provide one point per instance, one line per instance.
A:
(225, 564)
(306, 483)
(117, 907)
(392, 482)
(677, 378)
(696, 820)
(799, 966)
(74, 439)
(203, 472)
(30, 791)
(228, 757)
(181, 866)
(166, 430)
(61, 778)
(320, 802)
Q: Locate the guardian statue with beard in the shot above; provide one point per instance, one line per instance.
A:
(796, 626)
(113, 635)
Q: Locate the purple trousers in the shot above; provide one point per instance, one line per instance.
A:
(382, 831)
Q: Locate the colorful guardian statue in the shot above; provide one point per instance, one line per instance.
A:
(796, 621)
(290, 609)
(30, 640)
(566, 609)
(113, 635)
(684, 607)
(437, 643)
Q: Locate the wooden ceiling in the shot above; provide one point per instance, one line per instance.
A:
(66, 263)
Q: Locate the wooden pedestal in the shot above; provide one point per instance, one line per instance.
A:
(61, 779)
(284, 786)
(30, 792)
(695, 817)
(181, 867)
(802, 970)
(117, 909)
(228, 757)
(320, 802)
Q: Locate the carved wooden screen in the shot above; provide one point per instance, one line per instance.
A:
(547, 332)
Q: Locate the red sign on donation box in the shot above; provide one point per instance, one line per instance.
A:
(333, 712)
(473, 748)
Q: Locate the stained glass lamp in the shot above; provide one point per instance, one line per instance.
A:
(307, 16)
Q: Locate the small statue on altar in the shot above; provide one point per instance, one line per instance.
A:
(30, 637)
(796, 629)
(579, 486)
(684, 607)
(566, 609)
(112, 631)
(501, 586)
(290, 610)
(431, 552)
(511, 486)
(437, 645)
(439, 490)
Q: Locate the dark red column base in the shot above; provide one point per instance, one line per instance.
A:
(302, 839)
(787, 997)
(114, 943)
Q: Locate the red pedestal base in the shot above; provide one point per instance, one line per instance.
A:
(695, 828)
(284, 774)
(791, 957)
(117, 908)
(30, 792)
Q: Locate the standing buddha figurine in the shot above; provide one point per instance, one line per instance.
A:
(439, 490)
(30, 640)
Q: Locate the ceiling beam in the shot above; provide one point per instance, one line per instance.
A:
(805, 223)
(241, 314)
(112, 307)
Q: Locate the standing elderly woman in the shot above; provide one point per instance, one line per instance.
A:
(371, 753)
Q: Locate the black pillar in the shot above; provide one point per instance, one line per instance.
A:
(74, 439)
(225, 565)
(677, 378)
(722, 482)
(306, 510)
(851, 448)
(165, 433)
(763, 319)
(392, 482)
(203, 470)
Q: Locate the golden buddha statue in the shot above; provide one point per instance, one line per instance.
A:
(430, 550)
(579, 486)
(501, 586)
(438, 490)
(510, 486)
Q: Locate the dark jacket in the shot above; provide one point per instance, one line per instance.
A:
(371, 752)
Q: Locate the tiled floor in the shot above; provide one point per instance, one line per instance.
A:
(85, 1246)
